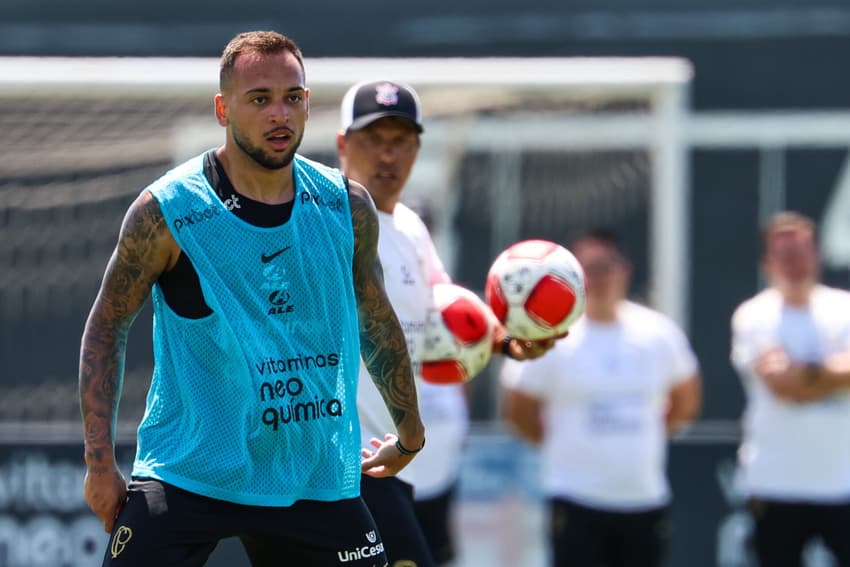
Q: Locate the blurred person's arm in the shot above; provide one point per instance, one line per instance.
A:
(523, 414)
(757, 356)
(684, 403)
(684, 394)
(803, 382)
(835, 371)
(525, 387)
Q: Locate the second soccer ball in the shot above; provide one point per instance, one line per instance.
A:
(458, 336)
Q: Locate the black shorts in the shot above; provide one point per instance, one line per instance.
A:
(390, 501)
(782, 530)
(164, 526)
(581, 536)
(435, 517)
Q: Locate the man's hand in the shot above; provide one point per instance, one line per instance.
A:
(105, 491)
(793, 381)
(772, 365)
(785, 379)
(521, 349)
(386, 460)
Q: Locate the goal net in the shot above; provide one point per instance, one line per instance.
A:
(512, 149)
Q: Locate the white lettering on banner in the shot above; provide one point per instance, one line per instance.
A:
(30, 482)
(45, 541)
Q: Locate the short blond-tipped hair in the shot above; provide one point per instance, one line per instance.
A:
(255, 43)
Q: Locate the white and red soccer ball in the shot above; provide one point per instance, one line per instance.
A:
(458, 336)
(536, 289)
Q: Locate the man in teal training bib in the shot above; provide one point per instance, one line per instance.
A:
(266, 288)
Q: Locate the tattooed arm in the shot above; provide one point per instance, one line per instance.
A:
(382, 343)
(145, 249)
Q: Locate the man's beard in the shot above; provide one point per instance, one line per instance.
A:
(261, 157)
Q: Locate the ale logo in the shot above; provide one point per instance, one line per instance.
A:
(119, 541)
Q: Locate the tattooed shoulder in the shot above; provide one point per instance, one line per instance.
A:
(145, 216)
(145, 237)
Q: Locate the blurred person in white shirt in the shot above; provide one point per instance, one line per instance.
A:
(378, 145)
(791, 346)
(601, 405)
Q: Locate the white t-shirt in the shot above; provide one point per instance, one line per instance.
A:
(604, 390)
(411, 266)
(793, 451)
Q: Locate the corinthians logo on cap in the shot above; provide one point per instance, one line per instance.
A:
(386, 94)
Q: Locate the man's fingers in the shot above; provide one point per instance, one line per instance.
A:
(376, 472)
(120, 507)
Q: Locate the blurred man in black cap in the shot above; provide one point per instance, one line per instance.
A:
(378, 146)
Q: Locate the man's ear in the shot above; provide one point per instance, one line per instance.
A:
(221, 110)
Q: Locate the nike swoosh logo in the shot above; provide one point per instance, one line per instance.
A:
(266, 258)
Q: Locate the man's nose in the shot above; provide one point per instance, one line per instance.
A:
(387, 151)
(279, 112)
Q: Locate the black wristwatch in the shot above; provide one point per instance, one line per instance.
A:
(506, 347)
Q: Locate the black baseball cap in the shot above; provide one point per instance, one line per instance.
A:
(368, 101)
